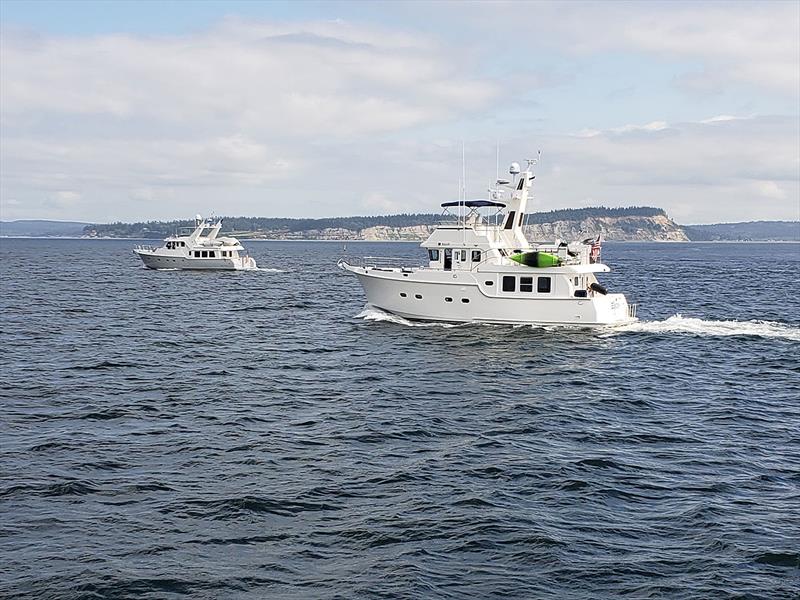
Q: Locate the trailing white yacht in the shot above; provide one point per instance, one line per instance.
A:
(200, 249)
(481, 268)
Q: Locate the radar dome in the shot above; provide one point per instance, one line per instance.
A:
(514, 168)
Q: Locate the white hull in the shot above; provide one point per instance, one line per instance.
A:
(153, 260)
(426, 293)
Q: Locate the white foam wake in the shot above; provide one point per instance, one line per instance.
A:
(373, 313)
(268, 270)
(702, 327)
(676, 324)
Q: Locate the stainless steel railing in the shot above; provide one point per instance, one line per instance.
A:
(381, 262)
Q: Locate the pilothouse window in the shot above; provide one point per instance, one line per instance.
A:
(476, 256)
(509, 283)
(543, 285)
(433, 255)
(526, 284)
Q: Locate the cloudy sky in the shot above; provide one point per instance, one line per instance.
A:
(145, 110)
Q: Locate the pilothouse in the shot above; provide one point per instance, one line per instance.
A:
(482, 268)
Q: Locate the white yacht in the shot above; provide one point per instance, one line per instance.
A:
(200, 249)
(481, 268)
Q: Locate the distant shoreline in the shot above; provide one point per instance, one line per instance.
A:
(354, 241)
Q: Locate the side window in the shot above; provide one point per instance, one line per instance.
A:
(509, 283)
(433, 255)
(543, 285)
(526, 284)
(476, 256)
(211, 254)
(463, 256)
(197, 253)
(205, 254)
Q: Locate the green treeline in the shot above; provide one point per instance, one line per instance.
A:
(233, 225)
(579, 214)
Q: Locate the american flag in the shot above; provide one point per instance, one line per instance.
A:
(594, 253)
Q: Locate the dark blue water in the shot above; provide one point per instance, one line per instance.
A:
(244, 435)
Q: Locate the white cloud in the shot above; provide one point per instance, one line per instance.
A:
(330, 117)
(380, 203)
(135, 119)
(769, 190)
(750, 43)
(277, 80)
(716, 169)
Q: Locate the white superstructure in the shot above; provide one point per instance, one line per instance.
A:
(478, 270)
(200, 249)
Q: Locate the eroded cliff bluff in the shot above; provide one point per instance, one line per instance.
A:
(658, 228)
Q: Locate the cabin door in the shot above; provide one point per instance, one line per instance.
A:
(448, 259)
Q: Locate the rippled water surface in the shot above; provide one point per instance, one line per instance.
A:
(264, 435)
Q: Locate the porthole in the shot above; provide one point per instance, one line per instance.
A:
(488, 283)
(448, 299)
(418, 296)
(465, 300)
(403, 294)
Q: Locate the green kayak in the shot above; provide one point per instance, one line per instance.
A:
(536, 259)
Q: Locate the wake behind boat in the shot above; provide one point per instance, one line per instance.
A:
(200, 249)
(481, 268)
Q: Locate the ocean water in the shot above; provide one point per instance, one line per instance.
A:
(265, 435)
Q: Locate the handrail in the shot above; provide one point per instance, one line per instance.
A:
(385, 262)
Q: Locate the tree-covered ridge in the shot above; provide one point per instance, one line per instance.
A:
(579, 214)
(161, 229)
(751, 231)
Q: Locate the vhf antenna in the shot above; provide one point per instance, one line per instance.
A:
(534, 161)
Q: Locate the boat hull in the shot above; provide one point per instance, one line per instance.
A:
(157, 261)
(417, 296)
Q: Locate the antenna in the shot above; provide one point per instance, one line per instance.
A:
(534, 161)
(497, 162)
(463, 170)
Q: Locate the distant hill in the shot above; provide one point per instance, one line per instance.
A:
(638, 222)
(38, 228)
(755, 231)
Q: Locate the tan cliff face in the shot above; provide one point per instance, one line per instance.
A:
(659, 228)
